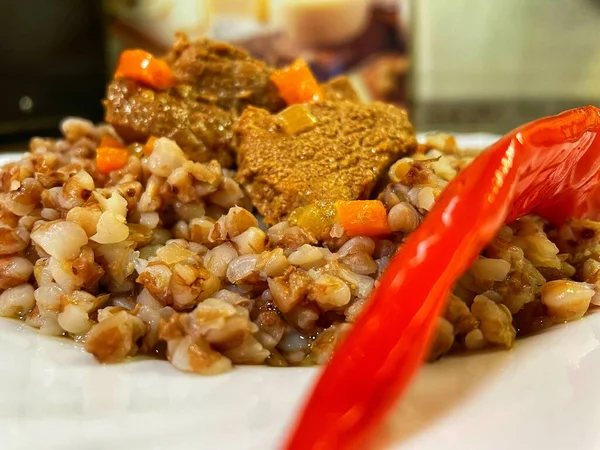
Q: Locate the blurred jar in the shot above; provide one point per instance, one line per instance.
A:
(322, 22)
(492, 65)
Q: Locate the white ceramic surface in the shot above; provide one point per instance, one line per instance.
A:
(542, 394)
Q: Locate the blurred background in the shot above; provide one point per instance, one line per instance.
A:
(461, 65)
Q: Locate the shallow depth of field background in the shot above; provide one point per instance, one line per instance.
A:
(462, 65)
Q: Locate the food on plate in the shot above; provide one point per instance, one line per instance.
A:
(549, 167)
(340, 155)
(195, 94)
(212, 83)
(203, 129)
(233, 213)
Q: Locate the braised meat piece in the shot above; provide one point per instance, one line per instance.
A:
(341, 157)
(223, 75)
(202, 130)
(215, 82)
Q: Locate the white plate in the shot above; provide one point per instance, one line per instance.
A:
(542, 394)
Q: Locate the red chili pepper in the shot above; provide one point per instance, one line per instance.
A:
(550, 167)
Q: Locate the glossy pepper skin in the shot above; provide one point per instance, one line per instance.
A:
(550, 167)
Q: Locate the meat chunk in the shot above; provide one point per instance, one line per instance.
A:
(215, 82)
(202, 130)
(342, 157)
(223, 75)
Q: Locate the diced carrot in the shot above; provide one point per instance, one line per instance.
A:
(139, 65)
(363, 217)
(111, 158)
(149, 146)
(109, 141)
(297, 84)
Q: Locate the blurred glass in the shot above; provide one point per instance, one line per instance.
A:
(492, 65)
